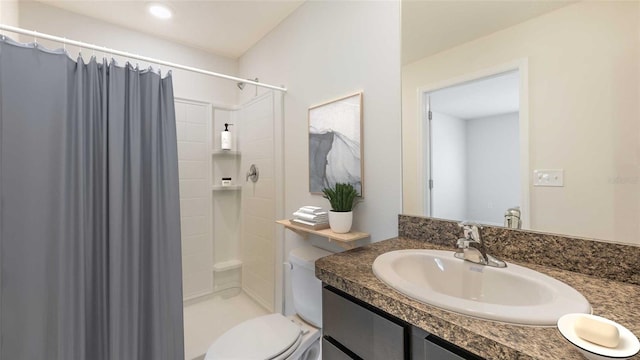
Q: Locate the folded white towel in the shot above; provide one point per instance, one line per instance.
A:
(310, 223)
(311, 209)
(305, 216)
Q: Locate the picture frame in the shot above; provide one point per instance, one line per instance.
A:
(335, 144)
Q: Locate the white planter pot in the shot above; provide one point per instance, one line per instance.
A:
(340, 222)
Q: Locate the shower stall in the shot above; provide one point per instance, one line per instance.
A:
(229, 247)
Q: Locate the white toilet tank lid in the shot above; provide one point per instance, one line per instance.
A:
(306, 256)
(263, 337)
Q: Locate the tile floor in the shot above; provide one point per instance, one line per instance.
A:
(205, 321)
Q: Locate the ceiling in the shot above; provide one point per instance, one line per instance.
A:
(430, 26)
(231, 27)
(228, 28)
(489, 96)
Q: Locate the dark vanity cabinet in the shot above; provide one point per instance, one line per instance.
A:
(425, 346)
(353, 329)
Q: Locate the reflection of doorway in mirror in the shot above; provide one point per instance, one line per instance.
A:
(473, 150)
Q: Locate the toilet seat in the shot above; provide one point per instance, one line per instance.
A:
(268, 337)
(285, 355)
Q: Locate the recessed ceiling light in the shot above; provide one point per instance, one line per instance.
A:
(160, 11)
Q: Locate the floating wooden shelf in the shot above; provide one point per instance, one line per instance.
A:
(346, 241)
(226, 188)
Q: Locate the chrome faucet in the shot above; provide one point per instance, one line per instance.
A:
(512, 218)
(472, 248)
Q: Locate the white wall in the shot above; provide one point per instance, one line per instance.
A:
(323, 51)
(583, 114)
(9, 12)
(42, 18)
(493, 167)
(449, 166)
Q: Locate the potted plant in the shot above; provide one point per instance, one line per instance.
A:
(342, 198)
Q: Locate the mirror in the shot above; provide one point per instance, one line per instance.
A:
(472, 150)
(579, 66)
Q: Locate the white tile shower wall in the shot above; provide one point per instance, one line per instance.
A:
(192, 119)
(256, 139)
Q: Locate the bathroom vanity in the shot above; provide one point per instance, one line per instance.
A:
(354, 329)
(364, 318)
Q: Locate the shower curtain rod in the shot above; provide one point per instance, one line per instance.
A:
(83, 45)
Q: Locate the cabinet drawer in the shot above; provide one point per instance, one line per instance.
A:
(429, 347)
(433, 351)
(365, 333)
(330, 352)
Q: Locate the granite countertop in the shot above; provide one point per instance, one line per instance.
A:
(351, 272)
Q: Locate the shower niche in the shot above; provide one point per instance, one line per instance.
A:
(226, 164)
(226, 187)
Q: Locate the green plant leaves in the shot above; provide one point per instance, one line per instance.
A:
(342, 197)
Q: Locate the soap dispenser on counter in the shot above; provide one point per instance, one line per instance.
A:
(225, 137)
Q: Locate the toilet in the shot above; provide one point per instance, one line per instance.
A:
(279, 337)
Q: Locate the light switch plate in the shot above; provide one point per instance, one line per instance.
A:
(546, 177)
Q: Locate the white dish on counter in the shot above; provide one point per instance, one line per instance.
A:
(628, 346)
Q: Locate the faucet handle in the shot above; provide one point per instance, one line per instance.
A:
(471, 230)
(469, 224)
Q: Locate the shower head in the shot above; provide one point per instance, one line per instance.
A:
(242, 84)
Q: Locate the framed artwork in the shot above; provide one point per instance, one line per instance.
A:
(335, 144)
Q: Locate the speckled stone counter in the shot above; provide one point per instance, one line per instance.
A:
(587, 256)
(351, 272)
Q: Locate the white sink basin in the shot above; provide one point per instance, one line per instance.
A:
(513, 294)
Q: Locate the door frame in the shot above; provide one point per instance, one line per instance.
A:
(424, 152)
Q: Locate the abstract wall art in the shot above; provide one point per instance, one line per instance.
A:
(335, 143)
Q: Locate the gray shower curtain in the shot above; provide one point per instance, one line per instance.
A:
(90, 262)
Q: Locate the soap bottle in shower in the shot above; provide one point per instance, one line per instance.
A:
(225, 137)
